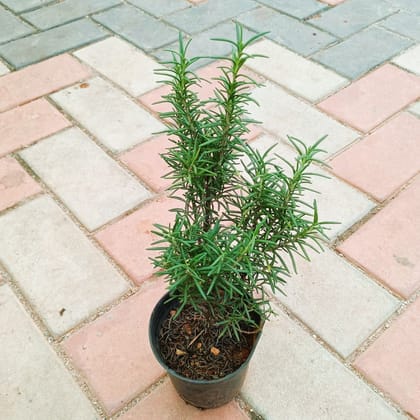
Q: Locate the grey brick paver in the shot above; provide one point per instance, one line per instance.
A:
(404, 23)
(52, 42)
(203, 45)
(363, 51)
(19, 6)
(287, 31)
(11, 27)
(208, 14)
(300, 9)
(409, 5)
(351, 16)
(160, 7)
(64, 12)
(138, 27)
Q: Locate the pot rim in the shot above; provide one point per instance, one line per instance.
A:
(172, 372)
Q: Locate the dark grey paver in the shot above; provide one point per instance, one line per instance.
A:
(60, 13)
(11, 27)
(408, 5)
(19, 6)
(363, 51)
(298, 8)
(405, 24)
(202, 44)
(46, 44)
(161, 7)
(138, 27)
(352, 16)
(297, 36)
(206, 15)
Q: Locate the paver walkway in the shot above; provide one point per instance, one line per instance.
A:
(80, 189)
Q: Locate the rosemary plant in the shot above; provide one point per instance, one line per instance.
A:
(243, 220)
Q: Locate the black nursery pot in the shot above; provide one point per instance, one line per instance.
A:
(200, 393)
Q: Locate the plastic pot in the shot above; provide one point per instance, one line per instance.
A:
(200, 393)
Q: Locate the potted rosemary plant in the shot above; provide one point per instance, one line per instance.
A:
(239, 226)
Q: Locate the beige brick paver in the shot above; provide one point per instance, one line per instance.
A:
(61, 273)
(35, 383)
(89, 182)
(117, 121)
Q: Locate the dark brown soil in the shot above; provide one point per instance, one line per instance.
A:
(190, 345)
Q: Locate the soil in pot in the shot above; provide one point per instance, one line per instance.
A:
(190, 344)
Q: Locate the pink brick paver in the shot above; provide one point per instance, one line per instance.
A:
(128, 239)
(15, 183)
(28, 123)
(145, 161)
(40, 79)
(372, 99)
(384, 160)
(165, 404)
(113, 352)
(388, 244)
(392, 362)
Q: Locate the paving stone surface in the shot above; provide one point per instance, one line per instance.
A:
(117, 122)
(61, 273)
(410, 60)
(415, 108)
(3, 69)
(387, 245)
(412, 6)
(37, 384)
(28, 123)
(392, 362)
(160, 8)
(60, 13)
(293, 34)
(11, 27)
(293, 117)
(39, 79)
(86, 179)
(352, 16)
(208, 14)
(363, 51)
(122, 63)
(383, 161)
(165, 404)
(301, 9)
(143, 30)
(83, 127)
(121, 337)
(42, 45)
(372, 99)
(305, 381)
(336, 200)
(406, 24)
(22, 5)
(203, 45)
(128, 240)
(15, 183)
(302, 76)
(353, 306)
(145, 161)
